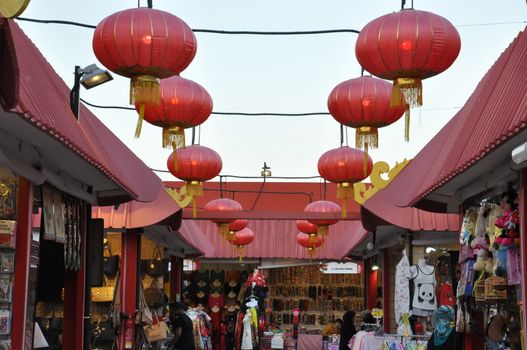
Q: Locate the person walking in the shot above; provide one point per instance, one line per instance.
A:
(347, 330)
(182, 326)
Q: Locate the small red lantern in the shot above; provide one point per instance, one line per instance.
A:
(364, 104)
(323, 207)
(406, 47)
(306, 241)
(308, 228)
(234, 227)
(194, 165)
(145, 45)
(241, 239)
(223, 205)
(344, 166)
(183, 104)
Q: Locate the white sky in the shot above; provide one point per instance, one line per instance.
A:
(278, 73)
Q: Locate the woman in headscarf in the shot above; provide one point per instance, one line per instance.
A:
(347, 330)
(444, 336)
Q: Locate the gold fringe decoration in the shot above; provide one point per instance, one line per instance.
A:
(174, 137)
(366, 137)
(407, 91)
(139, 125)
(194, 189)
(231, 236)
(345, 192)
(223, 229)
(240, 252)
(323, 231)
(407, 124)
(311, 253)
(174, 159)
(312, 238)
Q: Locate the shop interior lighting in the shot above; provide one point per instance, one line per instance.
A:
(374, 265)
(429, 250)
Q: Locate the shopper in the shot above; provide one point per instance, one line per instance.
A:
(347, 330)
(182, 326)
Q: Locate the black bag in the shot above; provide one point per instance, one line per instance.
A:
(153, 295)
(110, 263)
(156, 266)
(51, 328)
(103, 332)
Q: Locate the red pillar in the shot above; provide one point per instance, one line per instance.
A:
(128, 291)
(371, 295)
(22, 255)
(522, 197)
(176, 278)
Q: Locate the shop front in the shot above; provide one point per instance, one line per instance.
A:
(53, 168)
(474, 168)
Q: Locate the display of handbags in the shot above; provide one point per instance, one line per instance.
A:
(154, 295)
(156, 266)
(110, 263)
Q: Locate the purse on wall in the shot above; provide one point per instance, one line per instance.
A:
(102, 294)
(157, 266)
(157, 331)
(110, 263)
(153, 295)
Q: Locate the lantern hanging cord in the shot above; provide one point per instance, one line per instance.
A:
(254, 32)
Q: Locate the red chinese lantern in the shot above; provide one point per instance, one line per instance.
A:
(145, 45)
(241, 239)
(323, 207)
(194, 165)
(220, 206)
(307, 228)
(407, 47)
(306, 241)
(344, 166)
(234, 227)
(183, 104)
(364, 104)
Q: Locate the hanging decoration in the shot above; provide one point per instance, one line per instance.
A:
(345, 166)
(222, 206)
(308, 228)
(323, 207)
(363, 103)
(307, 242)
(241, 239)
(183, 104)
(146, 45)
(194, 165)
(234, 227)
(407, 47)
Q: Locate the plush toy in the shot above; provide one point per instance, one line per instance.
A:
(480, 242)
(468, 226)
(508, 232)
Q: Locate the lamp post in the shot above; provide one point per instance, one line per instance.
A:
(90, 76)
(266, 171)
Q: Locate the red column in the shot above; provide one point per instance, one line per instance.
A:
(522, 197)
(128, 292)
(176, 277)
(23, 252)
(371, 295)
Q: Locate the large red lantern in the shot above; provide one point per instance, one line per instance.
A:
(308, 242)
(234, 227)
(406, 47)
(241, 239)
(323, 207)
(183, 104)
(223, 205)
(195, 164)
(145, 45)
(364, 104)
(345, 166)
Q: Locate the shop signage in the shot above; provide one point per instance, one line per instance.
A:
(340, 268)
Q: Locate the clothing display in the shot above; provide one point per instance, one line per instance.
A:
(255, 277)
(247, 337)
(402, 291)
(424, 301)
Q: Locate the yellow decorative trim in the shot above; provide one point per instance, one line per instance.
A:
(180, 197)
(363, 192)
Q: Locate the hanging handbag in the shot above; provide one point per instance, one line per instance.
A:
(110, 263)
(102, 294)
(153, 295)
(157, 331)
(103, 331)
(157, 266)
(145, 314)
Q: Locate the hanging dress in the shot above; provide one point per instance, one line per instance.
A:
(402, 292)
(247, 338)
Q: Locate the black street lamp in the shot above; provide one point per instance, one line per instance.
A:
(90, 76)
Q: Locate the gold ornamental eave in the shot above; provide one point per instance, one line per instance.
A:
(12, 8)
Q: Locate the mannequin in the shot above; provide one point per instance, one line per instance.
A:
(257, 278)
(424, 302)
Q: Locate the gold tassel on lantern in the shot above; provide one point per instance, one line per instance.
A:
(407, 91)
(174, 137)
(366, 137)
(223, 229)
(240, 252)
(323, 231)
(312, 238)
(311, 253)
(195, 189)
(174, 159)
(143, 89)
(345, 192)
(231, 236)
(407, 124)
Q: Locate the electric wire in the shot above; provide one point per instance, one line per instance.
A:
(253, 177)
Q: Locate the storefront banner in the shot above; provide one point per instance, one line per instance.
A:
(340, 268)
